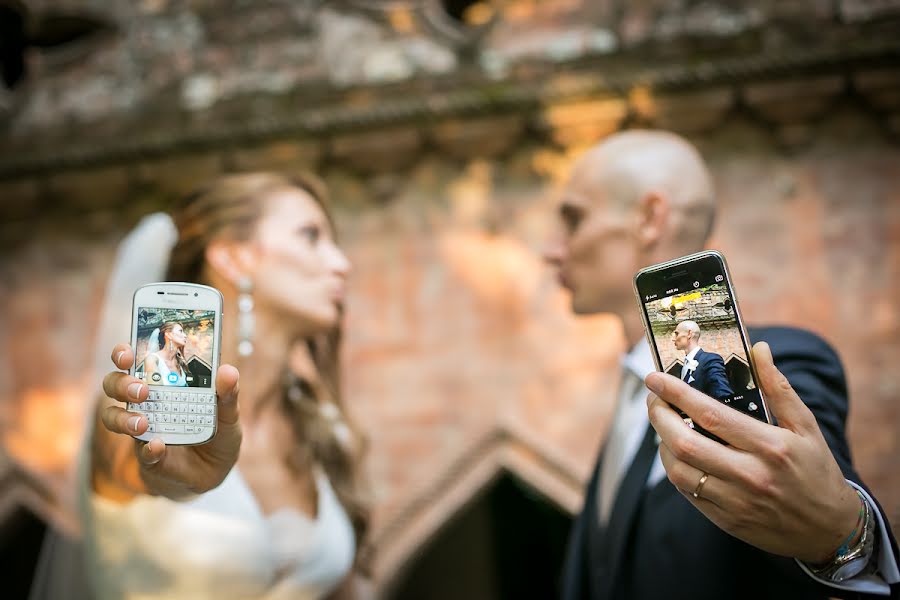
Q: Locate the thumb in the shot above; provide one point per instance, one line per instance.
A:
(227, 387)
(781, 399)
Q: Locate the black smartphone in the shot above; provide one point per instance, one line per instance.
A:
(696, 333)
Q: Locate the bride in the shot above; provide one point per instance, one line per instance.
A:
(273, 506)
(165, 355)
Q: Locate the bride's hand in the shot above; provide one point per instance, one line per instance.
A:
(176, 471)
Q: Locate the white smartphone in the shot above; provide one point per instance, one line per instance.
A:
(176, 334)
(694, 326)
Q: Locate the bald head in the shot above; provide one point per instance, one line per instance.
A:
(627, 167)
(691, 328)
(686, 336)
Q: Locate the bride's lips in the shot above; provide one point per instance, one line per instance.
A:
(338, 293)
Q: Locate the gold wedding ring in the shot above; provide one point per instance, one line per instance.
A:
(700, 485)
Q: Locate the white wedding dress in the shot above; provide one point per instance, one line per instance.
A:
(163, 367)
(219, 545)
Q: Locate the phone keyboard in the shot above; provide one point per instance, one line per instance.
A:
(178, 412)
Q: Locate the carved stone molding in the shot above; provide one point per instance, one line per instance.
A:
(382, 150)
(792, 101)
(881, 90)
(685, 112)
(792, 105)
(583, 122)
(479, 137)
(782, 87)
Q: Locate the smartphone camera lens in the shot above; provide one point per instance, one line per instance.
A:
(195, 294)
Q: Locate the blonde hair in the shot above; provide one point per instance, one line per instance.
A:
(230, 207)
(179, 355)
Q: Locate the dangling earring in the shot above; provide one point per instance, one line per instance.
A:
(245, 317)
(332, 413)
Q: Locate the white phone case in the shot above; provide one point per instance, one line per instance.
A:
(182, 408)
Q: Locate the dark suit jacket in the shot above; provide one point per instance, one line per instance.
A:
(709, 376)
(657, 545)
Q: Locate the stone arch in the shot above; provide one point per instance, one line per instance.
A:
(506, 465)
(674, 368)
(738, 372)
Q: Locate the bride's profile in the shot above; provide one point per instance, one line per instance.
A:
(165, 356)
(274, 506)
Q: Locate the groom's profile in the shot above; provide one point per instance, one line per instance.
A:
(703, 371)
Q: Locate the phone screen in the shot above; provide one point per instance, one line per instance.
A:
(175, 347)
(690, 311)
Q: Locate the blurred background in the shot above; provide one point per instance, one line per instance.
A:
(444, 129)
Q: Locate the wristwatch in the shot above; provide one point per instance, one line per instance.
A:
(852, 562)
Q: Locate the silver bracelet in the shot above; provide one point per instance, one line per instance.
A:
(852, 561)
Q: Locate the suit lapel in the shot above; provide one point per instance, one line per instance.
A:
(595, 566)
(699, 358)
(577, 568)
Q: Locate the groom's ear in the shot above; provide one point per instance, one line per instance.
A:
(231, 260)
(653, 217)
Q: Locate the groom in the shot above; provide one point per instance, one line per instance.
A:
(703, 371)
(732, 514)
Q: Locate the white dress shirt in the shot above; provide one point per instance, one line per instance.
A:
(628, 427)
(687, 358)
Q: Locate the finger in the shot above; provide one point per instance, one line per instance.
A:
(780, 396)
(122, 356)
(119, 420)
(152, 453)
(687, 478)
(227, 388)
(124, 388)
(729, 424)
(691, 447)
(718, 515)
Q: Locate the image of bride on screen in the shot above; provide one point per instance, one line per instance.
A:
(165, 363)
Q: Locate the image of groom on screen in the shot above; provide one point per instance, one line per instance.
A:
(703, 371)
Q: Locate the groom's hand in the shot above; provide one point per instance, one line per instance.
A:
(777, 488)
(176, 471)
